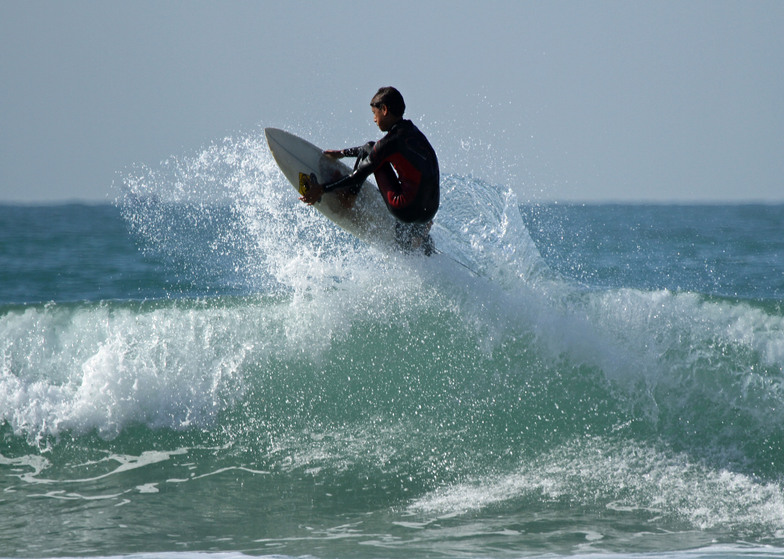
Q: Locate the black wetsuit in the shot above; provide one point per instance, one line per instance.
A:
(406, 170)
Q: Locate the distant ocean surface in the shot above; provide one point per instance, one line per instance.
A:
(207, 368)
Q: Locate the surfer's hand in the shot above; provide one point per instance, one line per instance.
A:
(314, 191)
(335, 153)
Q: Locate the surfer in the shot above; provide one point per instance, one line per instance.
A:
(405, 167)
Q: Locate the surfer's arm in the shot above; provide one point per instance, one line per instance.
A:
(353, 152)
(354, 179)
(347, 152)
(350, 183)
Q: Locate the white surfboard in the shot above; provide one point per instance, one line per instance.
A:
(367, 218)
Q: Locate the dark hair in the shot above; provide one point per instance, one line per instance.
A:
(392, 98)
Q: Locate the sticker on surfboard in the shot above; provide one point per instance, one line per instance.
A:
(303, 183)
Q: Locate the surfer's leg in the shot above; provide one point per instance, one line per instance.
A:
(428, 246)
(415, 237)
(409, 236)
(386, 178)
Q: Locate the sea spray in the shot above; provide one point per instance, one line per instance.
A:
(299, 392)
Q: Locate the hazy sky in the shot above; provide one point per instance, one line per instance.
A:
(562, 100)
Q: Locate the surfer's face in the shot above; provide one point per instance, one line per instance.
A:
(382, 117)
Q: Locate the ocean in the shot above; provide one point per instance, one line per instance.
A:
(204, 367)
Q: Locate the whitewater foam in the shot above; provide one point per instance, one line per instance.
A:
(222, 215)
(105, 367)
(313, 389)
(621, 477)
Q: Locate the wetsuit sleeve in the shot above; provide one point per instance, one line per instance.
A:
(357, 177)
(352, 152)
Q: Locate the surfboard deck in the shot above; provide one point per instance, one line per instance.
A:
(367, 218)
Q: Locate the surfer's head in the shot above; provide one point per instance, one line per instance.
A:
(388, 107)
(392, 98)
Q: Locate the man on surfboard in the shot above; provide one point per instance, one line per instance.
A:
(405, 167)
